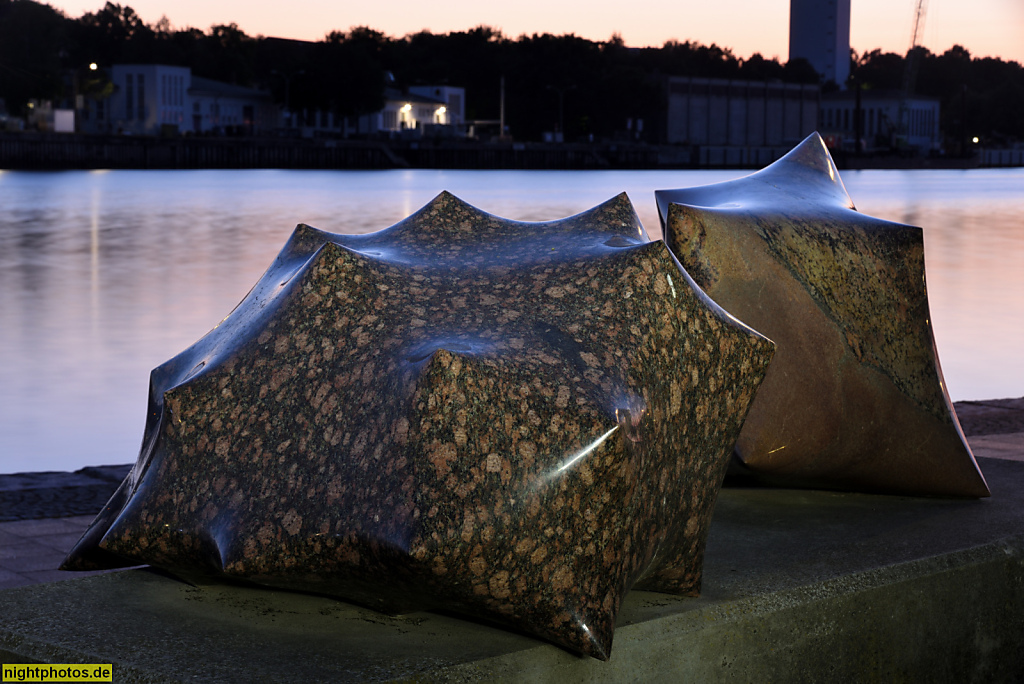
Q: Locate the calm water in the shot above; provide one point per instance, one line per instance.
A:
(104, 275)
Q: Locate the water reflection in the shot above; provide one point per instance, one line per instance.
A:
(974, 256)
(105, 275)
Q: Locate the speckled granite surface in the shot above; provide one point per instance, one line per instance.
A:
(854, 398)
(32, 496)
(510, 420)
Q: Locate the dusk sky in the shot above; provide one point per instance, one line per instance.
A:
(985, 27)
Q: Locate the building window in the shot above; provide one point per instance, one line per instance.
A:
(142, 97)
(129, 97)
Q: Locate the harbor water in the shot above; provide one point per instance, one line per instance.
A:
(107, 274)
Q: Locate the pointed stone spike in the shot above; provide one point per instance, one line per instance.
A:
(86, 554)
(806, 173)
(811, 162)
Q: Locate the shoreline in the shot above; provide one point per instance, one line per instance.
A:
(77, 151)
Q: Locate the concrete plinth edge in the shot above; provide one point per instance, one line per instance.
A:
(800, 586)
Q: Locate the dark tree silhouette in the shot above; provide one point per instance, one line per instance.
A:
(588, 88)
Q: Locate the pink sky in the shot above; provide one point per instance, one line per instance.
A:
(985, 27)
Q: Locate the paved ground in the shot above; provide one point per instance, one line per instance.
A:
(48, 512)
(992, 417)
(31, 550)
(30, 496)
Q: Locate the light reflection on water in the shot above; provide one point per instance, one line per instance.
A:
(105, 275)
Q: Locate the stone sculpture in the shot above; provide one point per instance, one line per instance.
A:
(517, 421)
(854, 398)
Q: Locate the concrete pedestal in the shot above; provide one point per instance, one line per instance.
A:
(798, 586)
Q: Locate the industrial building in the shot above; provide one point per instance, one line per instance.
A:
(756, 120)
(880, 113)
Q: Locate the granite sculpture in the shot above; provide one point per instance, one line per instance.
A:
(855, 398)
(514, 421)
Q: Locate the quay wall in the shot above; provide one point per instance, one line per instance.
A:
(28, 151)
(56, 151)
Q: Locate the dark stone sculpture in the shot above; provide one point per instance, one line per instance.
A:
(854, 398)
(518, 421)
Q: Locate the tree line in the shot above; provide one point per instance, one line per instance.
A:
(592, 88)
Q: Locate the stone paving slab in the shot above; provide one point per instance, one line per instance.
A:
(799, 586)
(31, 550)
(27, 496)
(1008, 446)
(992, 416)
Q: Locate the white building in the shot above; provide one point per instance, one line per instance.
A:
(422, 108)
(452, 111)
(423, 111)
(880, 121)
(145, 97)
(819, 31)
(149, 99)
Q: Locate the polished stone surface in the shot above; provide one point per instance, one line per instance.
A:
(854, 398)
(516, 421)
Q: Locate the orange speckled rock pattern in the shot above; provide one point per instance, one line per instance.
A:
(854, 398)
(517, 421)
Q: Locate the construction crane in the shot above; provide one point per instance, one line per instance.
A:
(910, 72)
